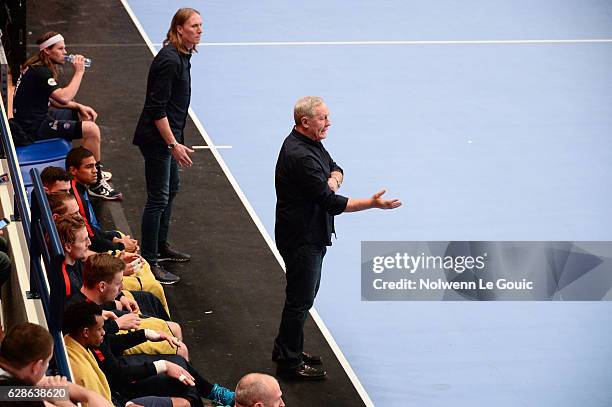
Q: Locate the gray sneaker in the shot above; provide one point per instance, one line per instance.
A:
(164, 276)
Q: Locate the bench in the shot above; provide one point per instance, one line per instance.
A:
(41, 154)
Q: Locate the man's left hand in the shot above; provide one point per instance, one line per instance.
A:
(172, 340)
(87, 113)
(378, 202)
(108, 315)
(131, 245)
(129, 305)
(333, 184)
(53, 381)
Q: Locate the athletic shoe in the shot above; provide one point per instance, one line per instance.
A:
(164, 276)
(166, 253)
(102, 190)
(303, 372)
(306, 358)
(221, 395)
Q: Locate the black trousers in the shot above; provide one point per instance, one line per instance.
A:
(164, 385)
(303, 266)
(163, 182)
(150, 305)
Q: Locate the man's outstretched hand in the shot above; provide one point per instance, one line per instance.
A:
(378, 202)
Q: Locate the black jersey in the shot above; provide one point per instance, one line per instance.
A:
(31, 101)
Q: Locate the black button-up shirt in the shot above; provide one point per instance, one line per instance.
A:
(305, 204)
(168, 95)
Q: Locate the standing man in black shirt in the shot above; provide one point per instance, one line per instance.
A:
(306, 181)
(159, 135)
(37, 87)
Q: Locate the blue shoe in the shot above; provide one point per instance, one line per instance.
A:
(221, 395)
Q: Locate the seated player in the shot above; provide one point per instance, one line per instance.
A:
(55, 179)
(102, 284)
(25, 353)
(138, 375)
(75, 241)
(80, 164)
(33, 120)
(87, 373)
(137, 274)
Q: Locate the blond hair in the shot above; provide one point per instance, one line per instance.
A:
(305, 107)
(58, 202)
(67, 226)
(173, 37)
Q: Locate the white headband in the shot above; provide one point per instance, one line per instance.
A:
(51, 41)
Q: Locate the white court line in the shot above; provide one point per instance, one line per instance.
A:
(407, 42)
(315, 315)
(208, 147)
(382, 42)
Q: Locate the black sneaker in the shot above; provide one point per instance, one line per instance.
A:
(306, 358)
(166, 253)
(304, 372)
(164, 276)
(102, 190)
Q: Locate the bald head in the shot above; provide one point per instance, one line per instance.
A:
(258, 390)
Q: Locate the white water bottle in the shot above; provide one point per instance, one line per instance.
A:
(70, 58)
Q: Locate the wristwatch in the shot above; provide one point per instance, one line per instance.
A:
(171, 146)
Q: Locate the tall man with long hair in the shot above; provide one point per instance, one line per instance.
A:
(38, 87)
(159, 135)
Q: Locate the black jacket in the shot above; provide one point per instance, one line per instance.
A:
(117, 371)
(100, 243)
(305, 204)
(168, 95)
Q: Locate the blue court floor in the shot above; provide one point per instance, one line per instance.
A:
(491, 120)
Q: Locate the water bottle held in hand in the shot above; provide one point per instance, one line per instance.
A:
(70, 58)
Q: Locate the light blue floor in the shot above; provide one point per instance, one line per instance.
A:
(539, 165)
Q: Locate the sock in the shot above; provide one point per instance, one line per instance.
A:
(221, 395)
